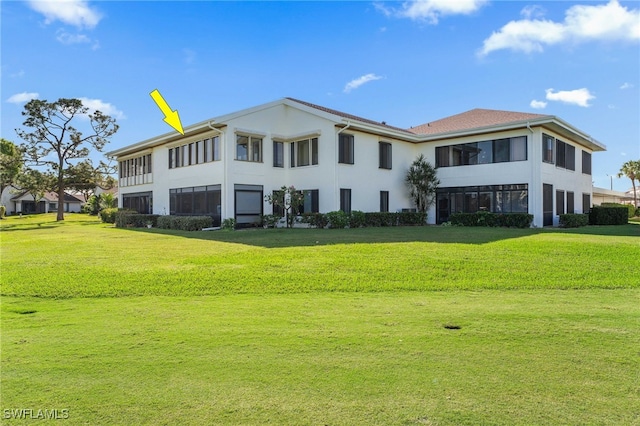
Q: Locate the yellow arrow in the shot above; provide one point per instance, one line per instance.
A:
(170, 117)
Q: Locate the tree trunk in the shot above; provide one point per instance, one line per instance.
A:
(60, 194)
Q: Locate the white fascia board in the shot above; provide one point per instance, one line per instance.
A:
(381, 131)
(298, 136)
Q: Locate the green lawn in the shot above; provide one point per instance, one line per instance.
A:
(409, 326)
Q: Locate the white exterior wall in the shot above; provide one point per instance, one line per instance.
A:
(365, 179)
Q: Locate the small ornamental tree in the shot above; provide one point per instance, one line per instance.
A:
(422, 182)
(289, 200)
(52, 140)
(36, 184)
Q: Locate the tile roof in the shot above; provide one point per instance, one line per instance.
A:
(350, 116)
(473, 119)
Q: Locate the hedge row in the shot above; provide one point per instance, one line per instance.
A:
(185, 223)
(131, 219)
(632, 210)
(609, 215)
(573, 220)
(109, 215)
(358, 219)
(510, 220)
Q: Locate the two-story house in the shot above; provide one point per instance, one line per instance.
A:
(497, 161)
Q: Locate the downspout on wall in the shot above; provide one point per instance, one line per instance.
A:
(335, 163)
(223, 148)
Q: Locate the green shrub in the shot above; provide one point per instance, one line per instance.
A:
(376, 219)
(229, 224)
(509, 220)
(631, 209)
(411, 218)
(609, 215)
(571, 220)
(133, 219)
(337, 219)
(316, 220)
(637, 213)
(184, 223)
(108, 215)
(270, 220)
(357, 219)
(3, 211)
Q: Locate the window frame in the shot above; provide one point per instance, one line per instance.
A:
(346, 147)
(385, 155)
(252, 155)
(345, 200)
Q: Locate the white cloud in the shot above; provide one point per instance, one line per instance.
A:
(538, 104)
(72, 12)
(626, 86)
(103, 107)
(534, 11)
(24, 97)
(67, 38)
(610, 21)
(580, 97)
(355, 83)
(431, 10)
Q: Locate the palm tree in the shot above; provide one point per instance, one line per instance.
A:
(422, 181)
(631, 169)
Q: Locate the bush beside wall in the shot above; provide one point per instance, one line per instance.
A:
(574, 220)
(132, 219)
(184, 223)
(108, 215)
(510, 220)
(609, 215)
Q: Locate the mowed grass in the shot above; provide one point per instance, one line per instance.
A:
(408, 326)
(84, 258)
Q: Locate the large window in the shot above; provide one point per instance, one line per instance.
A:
(559, 202)
(547, 148)
(196, 201)
(565, 155)
(384, 154)
(484, 152)
(142, 202)
(586, 162)
(190, 154)
(384, 201)
(345, 149)
(278, 154)
(345, 200)
(248, 148)
(470, 199)
(304, 152)
(135, 166)
(570, 202)
(586, 203)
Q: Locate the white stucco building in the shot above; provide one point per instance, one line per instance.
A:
(490, 160)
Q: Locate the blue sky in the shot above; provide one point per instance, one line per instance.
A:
(405, 63)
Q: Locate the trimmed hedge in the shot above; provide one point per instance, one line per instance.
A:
(632, 210)
(337, 219)
(609, 215)
(316, 220)
(184, 223)
(108, 215)
(571, 220)
(132, 219)
(509, 220)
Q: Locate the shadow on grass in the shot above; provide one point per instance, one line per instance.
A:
(276, 238)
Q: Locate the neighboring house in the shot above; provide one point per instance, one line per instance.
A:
(23, 202)
(497, 161)
(629, 196)
(604, 195)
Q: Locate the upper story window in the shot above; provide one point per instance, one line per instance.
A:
(345, 148)
(248, 148)
(278, 154)
(484, 152)
(565, 155)
(586, 162)
(135, 166)
(203, 151)
(547, 148)
(304, 152)
(384, 154)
